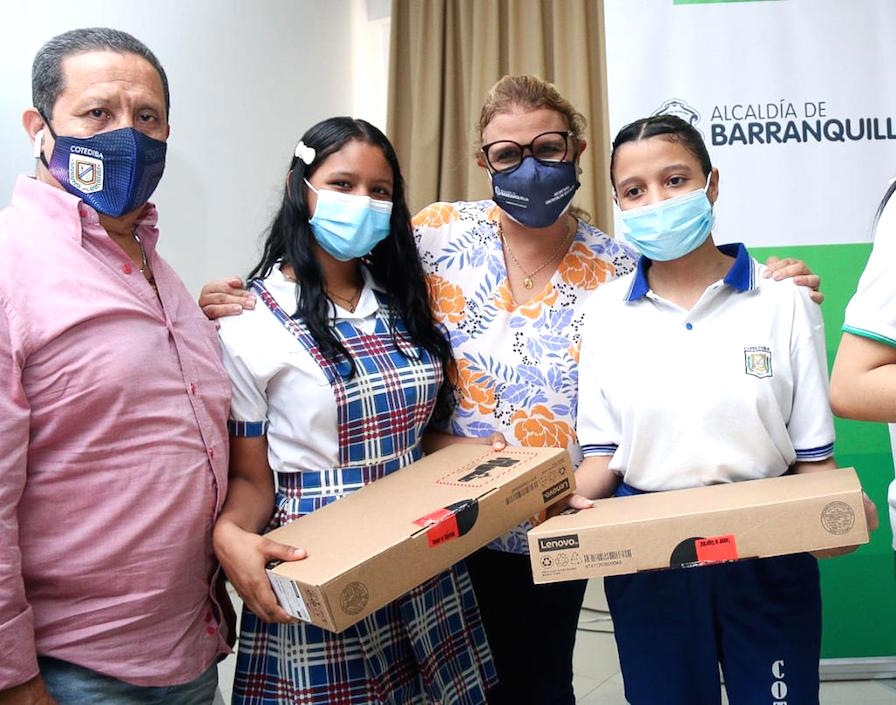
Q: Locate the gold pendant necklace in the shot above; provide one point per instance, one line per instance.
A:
(527, 276)
(350, 303)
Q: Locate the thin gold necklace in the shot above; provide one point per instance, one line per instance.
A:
(527, 281)
(350, 303)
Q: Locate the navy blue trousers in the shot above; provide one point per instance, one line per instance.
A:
(759, 619)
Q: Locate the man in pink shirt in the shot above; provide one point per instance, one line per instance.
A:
(113, 404)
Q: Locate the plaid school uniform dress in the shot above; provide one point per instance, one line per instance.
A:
(428, 646)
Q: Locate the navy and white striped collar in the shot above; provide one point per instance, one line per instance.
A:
(741, 276)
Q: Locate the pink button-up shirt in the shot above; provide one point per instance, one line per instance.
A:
(113, 451)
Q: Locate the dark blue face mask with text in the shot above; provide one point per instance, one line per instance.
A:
(115, 172)
(535, 194)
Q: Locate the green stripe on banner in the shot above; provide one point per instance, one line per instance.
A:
(859, 590)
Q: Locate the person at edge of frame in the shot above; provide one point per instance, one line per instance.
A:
(114, 405)
(863, 379)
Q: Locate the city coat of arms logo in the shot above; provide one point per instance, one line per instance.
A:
(679, 108)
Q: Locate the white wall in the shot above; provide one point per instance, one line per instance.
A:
(372, 24)
(247, 79)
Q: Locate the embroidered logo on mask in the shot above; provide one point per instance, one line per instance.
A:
(85, 173)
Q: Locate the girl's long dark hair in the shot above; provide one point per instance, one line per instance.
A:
(394, 262)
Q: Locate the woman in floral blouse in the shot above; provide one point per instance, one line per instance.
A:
(509, 279)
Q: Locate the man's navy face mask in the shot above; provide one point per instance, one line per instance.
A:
(114, 172)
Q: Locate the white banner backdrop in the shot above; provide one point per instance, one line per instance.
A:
(796, 100)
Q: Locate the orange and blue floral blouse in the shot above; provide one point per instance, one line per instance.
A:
(517, 364)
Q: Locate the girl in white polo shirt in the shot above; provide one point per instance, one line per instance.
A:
(722, 378)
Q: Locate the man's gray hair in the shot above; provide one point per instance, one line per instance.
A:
(47, 80)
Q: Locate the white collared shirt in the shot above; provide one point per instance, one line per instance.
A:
(278, 386)
(734, 389)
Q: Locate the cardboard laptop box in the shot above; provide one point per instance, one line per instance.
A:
(682, 528)
(374, 545)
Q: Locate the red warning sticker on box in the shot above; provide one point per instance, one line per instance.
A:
(443, 523)
(716, 549)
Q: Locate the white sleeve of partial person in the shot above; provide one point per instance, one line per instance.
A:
(249, 403)
(597, 428)
(871, 312)
(811, 424)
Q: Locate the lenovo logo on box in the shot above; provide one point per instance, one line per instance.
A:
(559, 543)
(555, 491)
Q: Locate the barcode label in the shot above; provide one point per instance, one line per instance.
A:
(288, 596)
(608, 556)
(522, 492)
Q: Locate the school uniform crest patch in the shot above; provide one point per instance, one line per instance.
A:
(85, 173)
(758, 361)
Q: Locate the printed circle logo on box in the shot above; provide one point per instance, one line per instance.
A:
(838, 518)
(354, 598)
(85, 173)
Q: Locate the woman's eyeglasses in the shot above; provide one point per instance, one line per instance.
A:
(547, 148)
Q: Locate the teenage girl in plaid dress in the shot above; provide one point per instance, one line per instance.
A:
(336, 373)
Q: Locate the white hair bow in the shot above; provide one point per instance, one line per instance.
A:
(305, 153)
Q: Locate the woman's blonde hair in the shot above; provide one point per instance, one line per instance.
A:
(527, 91)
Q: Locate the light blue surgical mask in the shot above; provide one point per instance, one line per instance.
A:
(348, 226)
(670, 229)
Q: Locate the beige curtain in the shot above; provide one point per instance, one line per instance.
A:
(446, 54)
